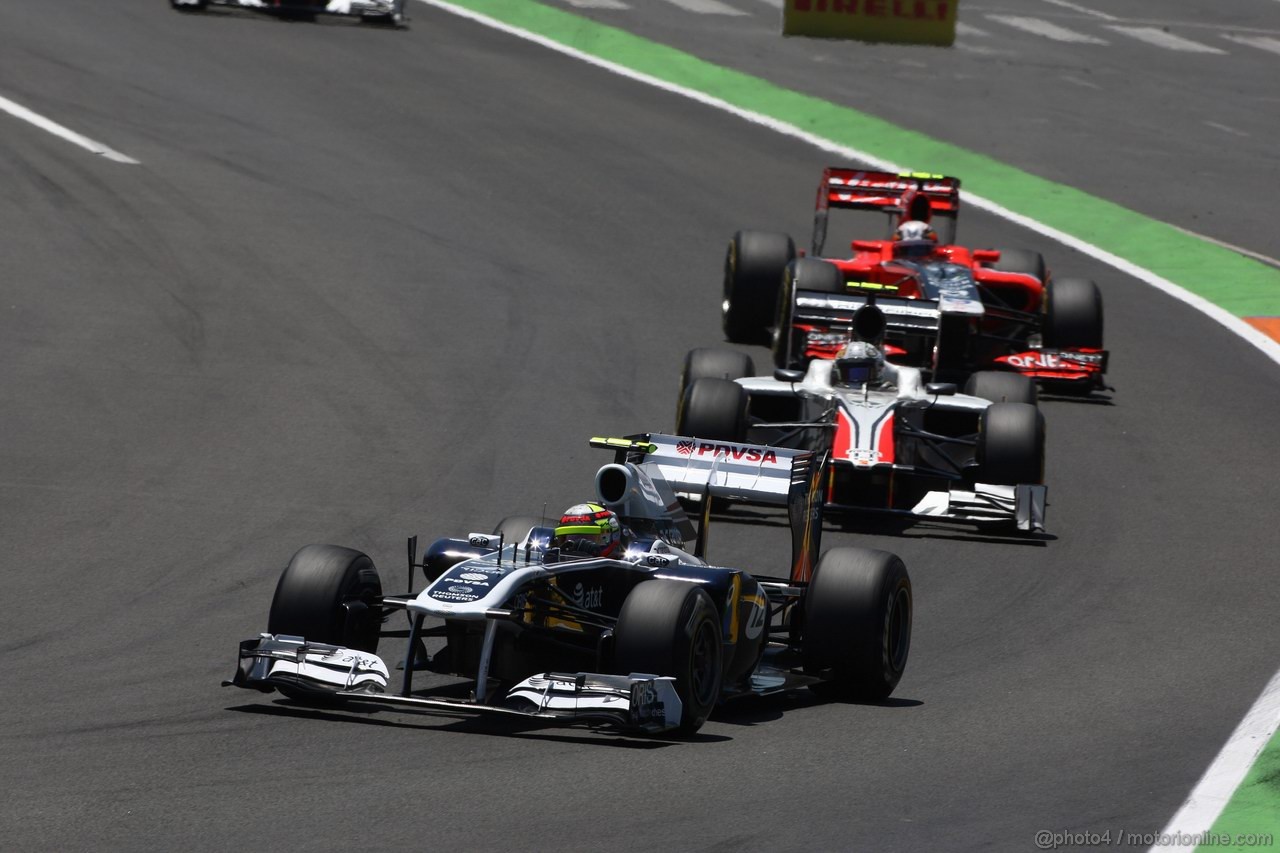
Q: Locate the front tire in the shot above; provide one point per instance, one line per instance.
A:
(1011, 445)
(1022, 261)
(714, 409)
(329, 594)
(669, 627)
(857, 623)
(753, 267)
(1073, 315)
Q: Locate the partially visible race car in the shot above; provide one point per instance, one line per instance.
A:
(648, 637)
(892, 443)
(951, 310)
(389, 12)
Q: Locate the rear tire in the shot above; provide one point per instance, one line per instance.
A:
(807, 274)
(857, 623)
(714, 409)
(1000, 387)
(669, 627)
(714, 363)
(1010, 445)
(1073, 315)
(312, 598)
(753, 269)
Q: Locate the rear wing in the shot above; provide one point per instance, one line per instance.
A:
(699, 470)
(907, 195)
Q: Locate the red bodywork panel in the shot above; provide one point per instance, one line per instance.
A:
(1084, 365)
(873, 261)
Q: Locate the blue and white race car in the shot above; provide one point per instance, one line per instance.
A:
(632, 629)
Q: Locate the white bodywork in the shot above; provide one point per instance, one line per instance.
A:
(865, 414)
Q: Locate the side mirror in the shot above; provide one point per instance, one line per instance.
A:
(784, 375)
(941, 389)
(986, 256)
(865, 245)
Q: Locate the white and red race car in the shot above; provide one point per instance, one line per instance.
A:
(891, 442)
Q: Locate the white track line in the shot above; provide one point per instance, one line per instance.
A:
(598, 4)
(1083, 9)
(1215, 788)
(1226, 129)
(966, 30)
(1269, 347)
(1046, 29)
(18, 111)
(707, 7)
(1161, 38)
(1262, 42)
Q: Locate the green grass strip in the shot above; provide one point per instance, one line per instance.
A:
(1255, 807)
(1242, 286)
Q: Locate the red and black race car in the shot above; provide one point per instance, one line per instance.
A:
(950, 309)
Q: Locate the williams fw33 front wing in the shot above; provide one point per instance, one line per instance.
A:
(636, 702)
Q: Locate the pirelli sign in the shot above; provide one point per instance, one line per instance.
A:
(899, 21)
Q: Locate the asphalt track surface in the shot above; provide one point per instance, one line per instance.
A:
(370, 283)
(1182, 137)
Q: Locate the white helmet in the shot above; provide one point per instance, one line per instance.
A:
(858, 363)
(914, 239)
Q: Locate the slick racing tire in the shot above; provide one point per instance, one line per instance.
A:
(1000, 387)
(1022, 261)
(753, 267)
(1073, 315)
(714, 409)
(815, 274)
(857, 623)
(190, 5)
(669, 627)
(331, 595)
(1010, 445)
(514, 528)
(714, 363)
(801, 274)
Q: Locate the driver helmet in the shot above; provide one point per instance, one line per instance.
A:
(858, 363)
(588, 529)
(914, 239)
